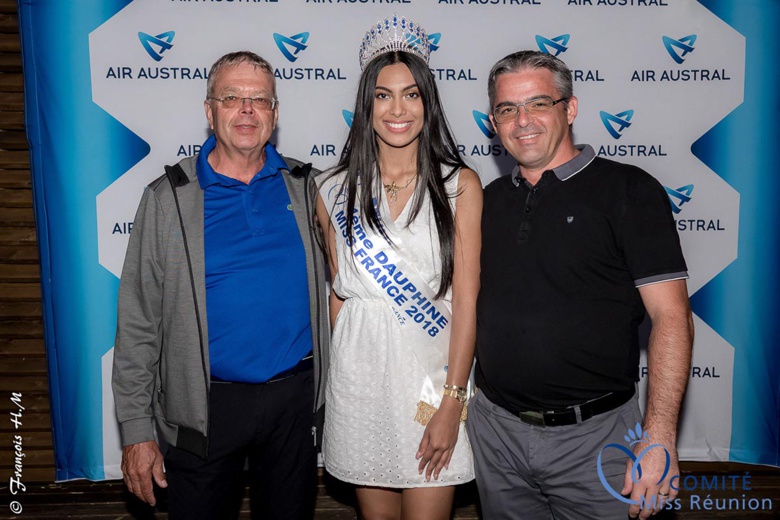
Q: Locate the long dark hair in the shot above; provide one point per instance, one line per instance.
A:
(436, 151)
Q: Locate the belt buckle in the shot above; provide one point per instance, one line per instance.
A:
(532, 418)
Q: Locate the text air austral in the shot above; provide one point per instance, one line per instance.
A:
(152, 73)
(491, 2)
(309, 73)
(680, 75)
(621, 3)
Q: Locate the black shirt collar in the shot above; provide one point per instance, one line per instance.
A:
(566, 170)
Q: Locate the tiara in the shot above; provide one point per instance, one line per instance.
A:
(394, 34)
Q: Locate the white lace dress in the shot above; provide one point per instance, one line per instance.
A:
(374, 383)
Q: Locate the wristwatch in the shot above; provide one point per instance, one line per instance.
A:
(456, 392)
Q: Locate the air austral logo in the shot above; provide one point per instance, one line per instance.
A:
(559, 45)
(433, 41)
(292, 48)
(679, 196)
(445, 74)
(482, 121)
(161, 42)
(683, 195)
(678, 49)
(295, 43)
(615, 124)
(554, 46)
(348, 117)
(413, 40)
(155, 46)
(482, 149)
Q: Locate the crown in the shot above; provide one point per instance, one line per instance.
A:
(637, 435)
(394, 34)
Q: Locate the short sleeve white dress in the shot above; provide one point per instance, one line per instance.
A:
(370, 435)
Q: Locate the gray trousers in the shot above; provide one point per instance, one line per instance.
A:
(532, 472)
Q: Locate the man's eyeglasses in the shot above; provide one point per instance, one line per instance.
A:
(507, 112)
(258, 103)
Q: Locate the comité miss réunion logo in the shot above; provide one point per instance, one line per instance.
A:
(156, 45)
(633, 437)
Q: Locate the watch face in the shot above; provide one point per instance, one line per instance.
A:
(456, 394)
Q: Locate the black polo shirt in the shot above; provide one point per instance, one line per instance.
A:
(559, 309)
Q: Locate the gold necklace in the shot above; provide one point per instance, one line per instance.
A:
(392, 189)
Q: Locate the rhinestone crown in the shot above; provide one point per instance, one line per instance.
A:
(394, 34)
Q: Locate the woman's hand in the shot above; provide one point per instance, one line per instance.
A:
(439, 438)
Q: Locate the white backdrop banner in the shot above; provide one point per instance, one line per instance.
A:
(118, 92)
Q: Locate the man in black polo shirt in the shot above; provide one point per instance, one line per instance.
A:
(575, 249)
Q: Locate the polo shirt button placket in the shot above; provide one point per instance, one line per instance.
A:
(525, 223)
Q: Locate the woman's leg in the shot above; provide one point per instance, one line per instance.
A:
(379, 503)
(431, 503)
(405, 504)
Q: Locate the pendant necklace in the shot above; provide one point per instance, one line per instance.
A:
(392, 189)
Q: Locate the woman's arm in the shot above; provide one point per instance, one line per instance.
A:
(330, 244)
(441, 434)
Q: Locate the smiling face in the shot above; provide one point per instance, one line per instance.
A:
(243, 129)
(398, 108)
(541, 142)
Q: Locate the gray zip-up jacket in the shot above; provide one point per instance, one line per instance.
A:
(161, 356)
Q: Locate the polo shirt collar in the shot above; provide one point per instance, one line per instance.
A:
(208, 177)
(566, 170)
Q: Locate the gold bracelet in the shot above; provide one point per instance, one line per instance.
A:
(457, 392)
(459, 389)
(461, 397)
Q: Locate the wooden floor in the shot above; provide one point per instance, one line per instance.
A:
(109, 500)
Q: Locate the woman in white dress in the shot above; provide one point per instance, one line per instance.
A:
(405, 272)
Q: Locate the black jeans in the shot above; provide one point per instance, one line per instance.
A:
(270, 425)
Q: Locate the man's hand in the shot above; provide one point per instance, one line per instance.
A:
(668, 365)
(652, 464)
(140, 463)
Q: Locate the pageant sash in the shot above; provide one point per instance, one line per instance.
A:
(423, 320)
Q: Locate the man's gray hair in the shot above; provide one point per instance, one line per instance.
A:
(232, 59)
(518, 61)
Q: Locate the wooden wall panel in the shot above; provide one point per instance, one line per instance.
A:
(22, 354)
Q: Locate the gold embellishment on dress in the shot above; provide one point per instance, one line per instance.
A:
(425, 413)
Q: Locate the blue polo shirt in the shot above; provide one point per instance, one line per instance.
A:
(257, 297)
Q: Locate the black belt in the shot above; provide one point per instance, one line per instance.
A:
(303, 365)
(569, 415)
